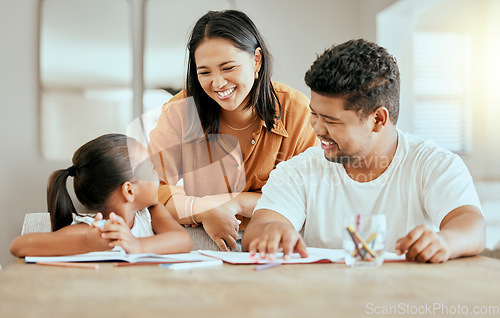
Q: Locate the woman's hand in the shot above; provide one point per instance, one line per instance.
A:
(222, 226)
(118, 233)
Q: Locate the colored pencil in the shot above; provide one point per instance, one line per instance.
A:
(70, 264)
(360, 239)
(266, 266)
(357, 250)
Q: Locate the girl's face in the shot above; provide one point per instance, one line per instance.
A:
(226, 73)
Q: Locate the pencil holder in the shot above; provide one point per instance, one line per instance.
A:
(364, 240)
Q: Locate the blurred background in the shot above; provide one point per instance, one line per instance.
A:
(72, 70)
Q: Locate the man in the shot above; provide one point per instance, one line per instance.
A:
(371, 167)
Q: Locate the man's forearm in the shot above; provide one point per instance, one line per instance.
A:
(465, 231)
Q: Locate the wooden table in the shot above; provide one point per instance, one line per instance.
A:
(315, 290)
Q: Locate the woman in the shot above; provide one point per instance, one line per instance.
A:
(228, 129)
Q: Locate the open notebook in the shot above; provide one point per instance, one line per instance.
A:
(316, 255)
(121, 256)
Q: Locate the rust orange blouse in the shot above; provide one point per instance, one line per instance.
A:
(215, 165)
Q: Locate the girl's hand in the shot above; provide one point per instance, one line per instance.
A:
(95, 241)
(118, 233)
(222, 226)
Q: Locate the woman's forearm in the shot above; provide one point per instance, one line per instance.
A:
(247, 202)
(184, 209)
(242, 203)
(188, 209)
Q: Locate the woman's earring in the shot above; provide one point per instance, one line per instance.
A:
(256, 74)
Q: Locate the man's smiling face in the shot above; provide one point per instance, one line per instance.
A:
(345, 137)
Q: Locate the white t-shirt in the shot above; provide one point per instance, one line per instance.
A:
(422, 184)
(141, 228)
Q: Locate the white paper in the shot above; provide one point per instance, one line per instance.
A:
(315, 255)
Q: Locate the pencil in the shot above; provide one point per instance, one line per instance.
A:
(266, 266)
(357, 250)
(70, 264)
(152, 263)
(360, 239)
(358, 222)
(192, 265)
(370, 239)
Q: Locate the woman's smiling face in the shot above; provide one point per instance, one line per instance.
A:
(226, 73)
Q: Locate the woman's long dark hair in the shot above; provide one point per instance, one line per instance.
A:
(99, 167)
(236, 27)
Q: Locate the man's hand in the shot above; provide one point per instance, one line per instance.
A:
(461, 233)
(268, 232)
(278, 235)
(423, 245)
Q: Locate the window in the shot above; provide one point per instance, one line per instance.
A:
(441, 86)
(103, 64)
(85, 73)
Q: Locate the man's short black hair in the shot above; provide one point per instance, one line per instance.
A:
(362, 73)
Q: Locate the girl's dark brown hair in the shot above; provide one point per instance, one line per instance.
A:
(99, 167)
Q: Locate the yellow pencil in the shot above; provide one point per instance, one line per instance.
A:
(360, 239)
(370, 238)
(69, 264)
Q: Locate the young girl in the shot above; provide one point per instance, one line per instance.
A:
(229, 81)
(113, 175)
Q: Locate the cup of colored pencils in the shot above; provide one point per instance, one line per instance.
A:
(364, 239)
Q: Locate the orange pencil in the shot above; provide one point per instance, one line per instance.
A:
(69, 264)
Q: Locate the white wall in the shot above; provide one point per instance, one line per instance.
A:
(481, 20)
(297, 30)
(295, 34)
(23, 173)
